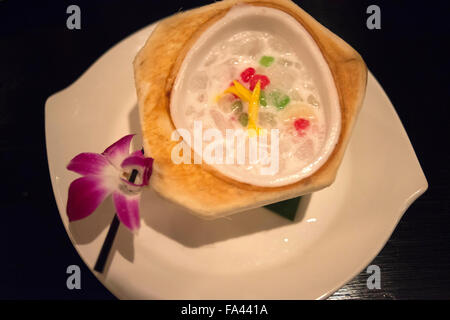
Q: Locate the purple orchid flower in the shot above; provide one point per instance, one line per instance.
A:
(105, 174)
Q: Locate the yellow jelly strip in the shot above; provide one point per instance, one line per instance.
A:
(243, 92)
(229, 90)
(233, 90)
(253, 109)
(238, 89)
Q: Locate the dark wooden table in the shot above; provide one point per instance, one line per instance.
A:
(39, 56)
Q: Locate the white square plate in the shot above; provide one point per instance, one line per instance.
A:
(251, 255)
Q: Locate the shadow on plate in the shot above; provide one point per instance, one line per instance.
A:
(135, 127)
(178, 224)
(86, 230)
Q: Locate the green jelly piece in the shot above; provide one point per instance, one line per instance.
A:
(287, 209)
(279, 100)
(243, 119)
(236, 106)
(266, 61)
(283, 102)
(262, 99)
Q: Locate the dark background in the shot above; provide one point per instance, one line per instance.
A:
(40, 56)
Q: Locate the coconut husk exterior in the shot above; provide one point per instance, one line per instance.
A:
(195, 186)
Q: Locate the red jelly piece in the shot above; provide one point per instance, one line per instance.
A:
(301, 124)
(259, 77)
(247, 74)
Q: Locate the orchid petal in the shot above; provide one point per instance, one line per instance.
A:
(142, 164)
(136, 161)
(137, 153)
(127, 207)
(119, 150)
(88, 164)
(86, 194)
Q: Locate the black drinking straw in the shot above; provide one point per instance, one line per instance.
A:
(106, 248)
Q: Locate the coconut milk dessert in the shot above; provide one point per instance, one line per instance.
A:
(253, 85)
